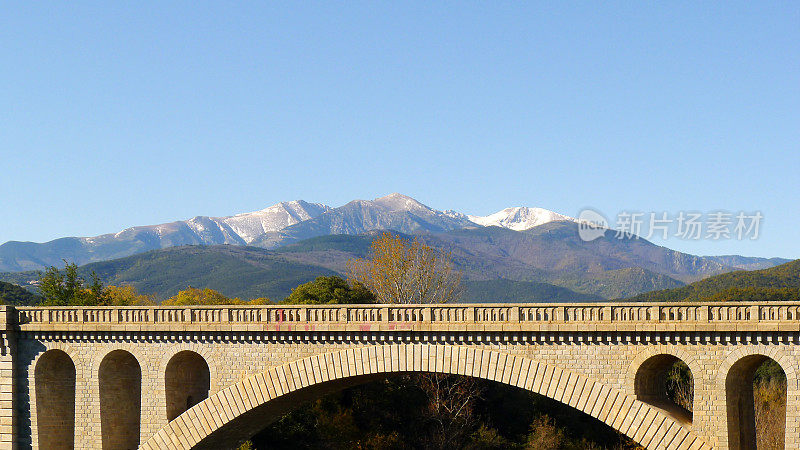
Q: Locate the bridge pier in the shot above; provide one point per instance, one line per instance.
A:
(8, 372)
(204, 377)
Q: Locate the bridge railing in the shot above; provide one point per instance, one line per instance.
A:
(734, 312)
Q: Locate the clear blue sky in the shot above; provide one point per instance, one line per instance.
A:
(116, 114)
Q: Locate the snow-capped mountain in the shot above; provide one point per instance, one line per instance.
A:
(520, 218)
(240, 229)
(250, 226)
(271, 227)
(393, 212)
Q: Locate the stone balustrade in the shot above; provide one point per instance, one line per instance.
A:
(630, 316)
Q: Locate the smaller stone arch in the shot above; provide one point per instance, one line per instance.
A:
(66, 348)
(646, 379)
(187, 381)
(100, 353)
(120, 394)
(201, 350)
(55, 377)
(786, 362)
(78, 363)
(651, 386)
(652, 350)
(735, 385)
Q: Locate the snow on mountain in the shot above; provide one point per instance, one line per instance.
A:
(251, 225)
(455, 215)
(402, 203)
(393, 212)
(240, 229)
(270, 227)
(520, 218)
(210, 230)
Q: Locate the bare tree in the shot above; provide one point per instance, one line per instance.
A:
(451, 408)
(400, 270)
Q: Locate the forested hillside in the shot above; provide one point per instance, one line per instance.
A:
(544, 264)
(776, 283)
(15, 295)
(250, 272)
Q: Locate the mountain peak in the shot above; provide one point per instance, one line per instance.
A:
(520, 218)
(395, 195)
(400, 202)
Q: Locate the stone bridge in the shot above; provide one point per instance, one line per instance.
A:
(209, 377)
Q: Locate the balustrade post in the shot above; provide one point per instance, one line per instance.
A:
(513, 314)
(427, 313)
(470, 315)
(755, 315)
(605, 314)
(702, 313)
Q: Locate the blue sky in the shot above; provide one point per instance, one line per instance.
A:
(118, 114)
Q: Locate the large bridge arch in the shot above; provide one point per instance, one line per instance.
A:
(239, 411)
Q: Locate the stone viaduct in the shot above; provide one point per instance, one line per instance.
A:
(209, 377)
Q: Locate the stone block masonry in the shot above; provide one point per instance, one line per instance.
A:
(208, 377)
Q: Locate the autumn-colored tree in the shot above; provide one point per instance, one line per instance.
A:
(127, 295)
(195, 296)
(399, 270)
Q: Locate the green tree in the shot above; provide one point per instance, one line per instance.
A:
(67, 288)
(329, 290)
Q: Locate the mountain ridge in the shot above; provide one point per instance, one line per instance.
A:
(496, 263)
(285, 223)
